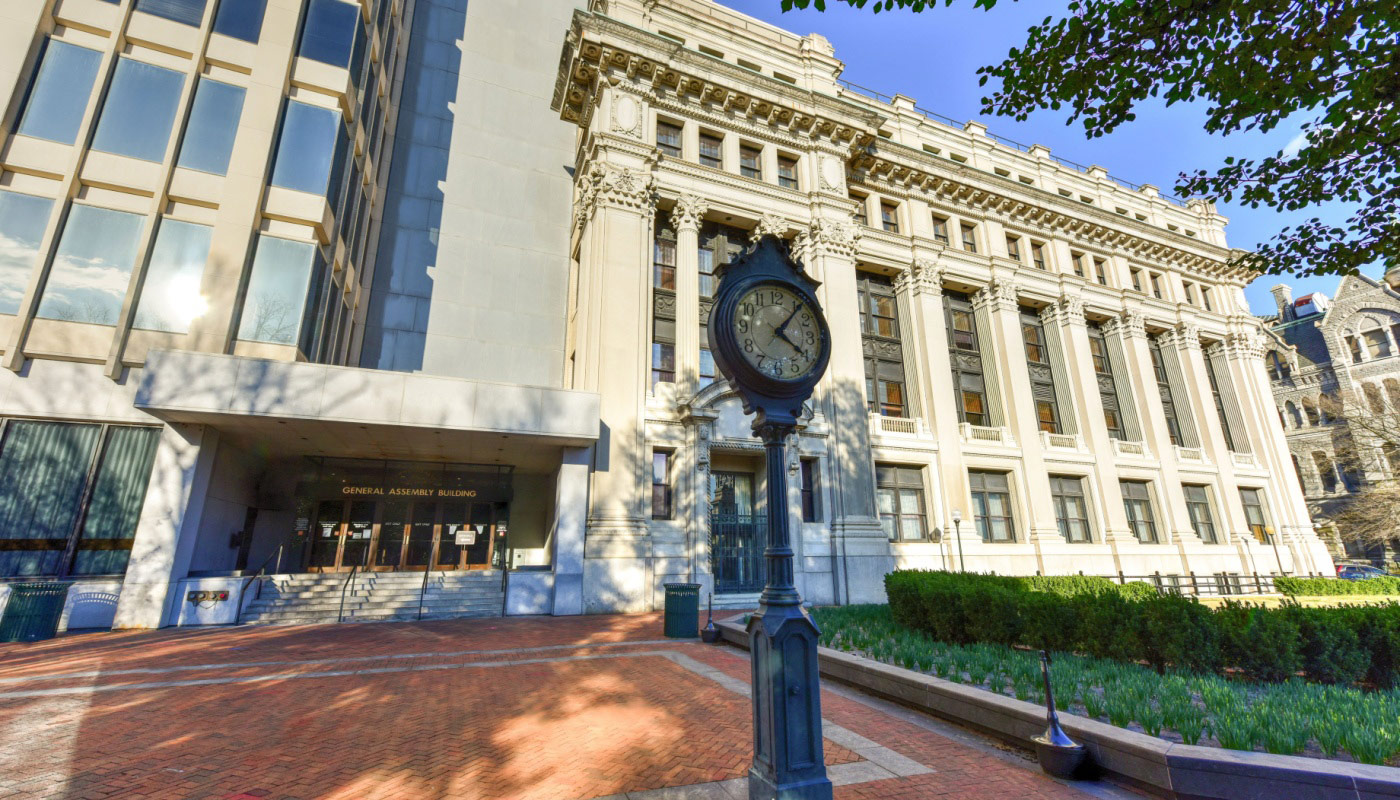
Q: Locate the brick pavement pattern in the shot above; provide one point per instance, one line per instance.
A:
(477, 709)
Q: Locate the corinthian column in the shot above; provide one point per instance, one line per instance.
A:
(827, 251)
(615, 210)
(686, 218)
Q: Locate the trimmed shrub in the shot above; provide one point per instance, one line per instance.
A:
(1323, 587)
(1332, 653)
(1178, 631)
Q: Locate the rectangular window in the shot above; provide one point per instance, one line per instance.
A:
(1220, 406)
(1101, 271)
(660, 484)
(64, 490)
(787, 172)
(889, 219)
(208, 139)
(139, 111)
(1038, 255)
(23, 220)
(1198, 506)
(991, 506)
(59, 95)
(170, 295)
(1077, 259)
(663, 351)
(1042, 379)
(307, 146)
(92, 266)
(1253, 501)
(664, 265)
(1156, 281)
(190, 12)
(1137, 502)
(940, 229)
(1164, 390)
(1205, 298)
(884, 360)
(1189, 289)
(1137, 279)
(328, 33)
(962, 333)
(899, 498)
(1071, 512)
(860, 216)
(969, 237)
(1376, 343)
(750, 162)
(668, 138)
(1013, 248)
(241, 19)
(707, 368)
(1108, 391)
(811, 491)
(965, 358)
(277, 291)
(711, 151)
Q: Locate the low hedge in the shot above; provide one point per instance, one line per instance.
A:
(1327, 645)
(1314, 587)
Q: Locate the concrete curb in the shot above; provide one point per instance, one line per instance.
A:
(1179, 771)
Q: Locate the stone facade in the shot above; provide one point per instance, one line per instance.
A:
(1336, 384)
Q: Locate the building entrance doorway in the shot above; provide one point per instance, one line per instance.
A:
(399, 516)
(737, 534)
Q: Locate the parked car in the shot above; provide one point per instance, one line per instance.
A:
(1359, 572)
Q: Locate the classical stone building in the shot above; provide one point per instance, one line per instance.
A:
(404, 299)
(1336, 383)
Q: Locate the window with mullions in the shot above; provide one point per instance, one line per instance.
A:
(884, 353)
(750, 162)
(92, 266)
(1253, 501)
(663, 271)
(189, 12)
(1071, 511)
(241, 19)
(811, 491)
(711, 151)
(1137, 502)
(1038, 255)
(1013, 247)
(1047, 412)
(23, 219)
(328, 33)
(1164, 390)
(660, 484)
(1198, 506)
(991, 506)
(965, 357)
(70, 496)
(668, 138)
(58, 97)
(787, 172)
(969, 237)
(1103, 374)
(940, 229)
(719, 244)
(1220, 406)
(899, 498)
(889, 217)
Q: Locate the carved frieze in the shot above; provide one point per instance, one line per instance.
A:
(620, 187)
(664, 304)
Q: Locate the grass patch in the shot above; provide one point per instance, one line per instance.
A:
(1288, 718)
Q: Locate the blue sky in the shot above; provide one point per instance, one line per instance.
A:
(933, 57)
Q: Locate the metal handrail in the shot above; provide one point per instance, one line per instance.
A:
(340, 617)
(258, 576)
(423, 589)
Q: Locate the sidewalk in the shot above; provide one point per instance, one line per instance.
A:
(565, 708)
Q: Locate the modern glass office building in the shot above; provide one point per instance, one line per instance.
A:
(408, 296)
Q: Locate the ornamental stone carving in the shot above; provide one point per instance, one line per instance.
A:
(689, 212)
(1184, 336)
(627, 116)
(769, 224)
(1065, 311)
(997, 295)
(1245, 344)
(620, 187)
(1130, 325)
(905, 281)
(825, 237)
(928, 278)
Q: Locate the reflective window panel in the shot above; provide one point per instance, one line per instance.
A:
(190, 12)
(170, 298)
(139, 110)
(306, 147)
(59, 95)
(329, 34)
(276, 291)
(241, 19)
(213, 124)
(92, 267)
(22, 221)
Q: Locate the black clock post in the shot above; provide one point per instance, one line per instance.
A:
(769, 339)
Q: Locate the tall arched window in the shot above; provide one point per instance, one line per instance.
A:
(1310, 408)
(1293, 414)
(1325, 471)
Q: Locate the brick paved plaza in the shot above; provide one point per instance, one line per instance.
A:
(564, 708)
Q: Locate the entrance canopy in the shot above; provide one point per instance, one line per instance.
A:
(280, 408)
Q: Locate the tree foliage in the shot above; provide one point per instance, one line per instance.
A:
(1254, 63)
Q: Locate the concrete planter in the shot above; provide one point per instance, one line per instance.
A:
(1179, 771)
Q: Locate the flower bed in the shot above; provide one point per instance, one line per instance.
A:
(1288, 718)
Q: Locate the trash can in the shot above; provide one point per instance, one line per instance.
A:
(682, 610)
(33, 611)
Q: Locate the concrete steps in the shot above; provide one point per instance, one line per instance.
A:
(374, 597)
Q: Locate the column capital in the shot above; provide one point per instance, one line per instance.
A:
(1129, 325)
(1069, 310)
(620, 187)
(928, 278)
(1184, 336)
(689, 212)
(828, 237)
(1000, 294)
(1245, 344)
(769, 224)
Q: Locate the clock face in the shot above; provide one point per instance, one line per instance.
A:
(778, 333)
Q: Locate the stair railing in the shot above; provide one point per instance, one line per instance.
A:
(340, 617)
(257, 576)
(423, 590)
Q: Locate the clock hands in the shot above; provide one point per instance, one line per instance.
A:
(781, 330)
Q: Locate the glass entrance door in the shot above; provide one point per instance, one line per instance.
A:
(468, 538)
(737, 535)
(342, 533)
(388, 545)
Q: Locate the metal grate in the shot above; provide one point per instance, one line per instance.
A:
(737, 542)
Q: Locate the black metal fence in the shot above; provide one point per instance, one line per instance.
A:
(737, 542)
(1220, 584)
